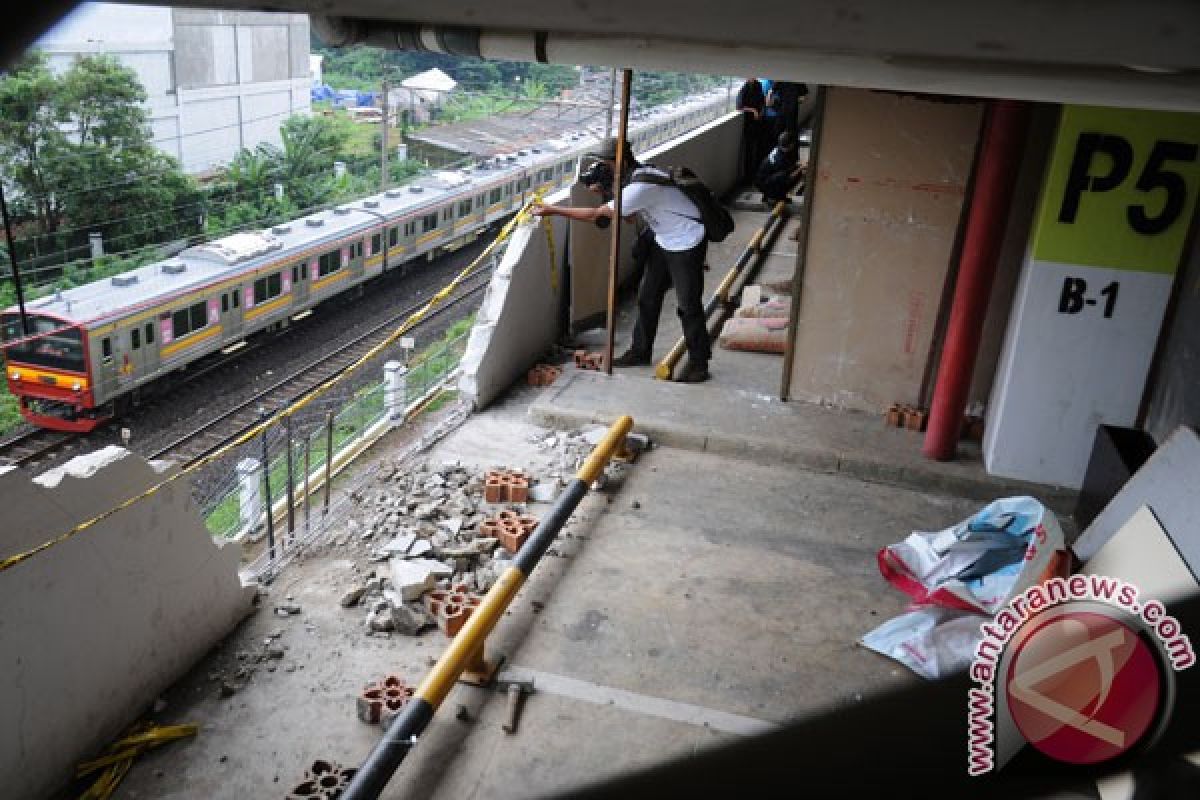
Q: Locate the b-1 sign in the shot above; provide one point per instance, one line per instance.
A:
(1118, 197)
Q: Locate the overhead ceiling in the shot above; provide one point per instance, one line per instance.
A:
(1142, 53)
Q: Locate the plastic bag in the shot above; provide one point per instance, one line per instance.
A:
(933, 642)
(982, 562)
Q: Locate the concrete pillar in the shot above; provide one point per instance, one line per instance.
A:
(402, 151)
(395, 390)
(249, 473)
(96, 240)
(339, 169)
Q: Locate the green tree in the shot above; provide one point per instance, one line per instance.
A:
(77, 152)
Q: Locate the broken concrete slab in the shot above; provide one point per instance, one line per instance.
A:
(412, 578)
(156, 590)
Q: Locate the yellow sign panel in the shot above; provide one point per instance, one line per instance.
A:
(1120, 190)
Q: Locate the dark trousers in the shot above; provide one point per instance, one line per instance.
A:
(685, 271)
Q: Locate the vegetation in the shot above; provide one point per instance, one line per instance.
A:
(76, 156)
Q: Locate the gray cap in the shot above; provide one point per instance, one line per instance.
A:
(607, 151)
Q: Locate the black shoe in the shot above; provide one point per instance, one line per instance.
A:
(695, 373)
(631, 358)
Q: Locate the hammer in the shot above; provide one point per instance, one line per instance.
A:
(514, 686)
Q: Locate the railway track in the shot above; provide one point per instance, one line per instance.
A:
(32, 445)
(227, 426)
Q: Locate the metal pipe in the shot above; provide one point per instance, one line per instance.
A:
(1108, 85)
(627, 78)
(666, 367)
(991, 199)
(374, 774)
(307, 490)
(614, 256)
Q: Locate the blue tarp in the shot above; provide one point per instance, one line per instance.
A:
(342, 97)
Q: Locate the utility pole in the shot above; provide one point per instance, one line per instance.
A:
(612, 98)
(12, 260)
(383, 152)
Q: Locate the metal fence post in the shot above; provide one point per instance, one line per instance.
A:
(307, 469)
(266, 466)
(291, 496)
(328, 458)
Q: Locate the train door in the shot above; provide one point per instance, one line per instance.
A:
(149, 347)
(295, 280)
(104, 366)
(231, 312)
(134, 366)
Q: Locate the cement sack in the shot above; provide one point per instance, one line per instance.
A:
(755, 335)
(775, 308)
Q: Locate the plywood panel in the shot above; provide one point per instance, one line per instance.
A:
(888, 196)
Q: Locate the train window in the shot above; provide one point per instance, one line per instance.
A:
(480, 200)
(464, 208)
(410, 228)
(447, 212)
(295, 275)
(237, 293)
(179, 323)
(49, 345)
(275, 284)
(328, 263)
(356, 250)
(149, 333)
(393, 236)
(199, 314)
(224, 304)
(135, 339)
(375, 242)
(106, 349)
(429, 221)
(495, 196)
(508, 189)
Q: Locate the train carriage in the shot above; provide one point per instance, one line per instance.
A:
(92, 349)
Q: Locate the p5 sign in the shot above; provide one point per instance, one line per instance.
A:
(1120, 189)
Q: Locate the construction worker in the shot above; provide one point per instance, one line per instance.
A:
(676, 257)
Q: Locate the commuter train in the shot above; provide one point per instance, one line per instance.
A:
(92, 349)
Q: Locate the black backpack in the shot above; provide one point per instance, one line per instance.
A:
(716, 220)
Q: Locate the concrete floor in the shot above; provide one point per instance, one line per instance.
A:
(717, 591)
(731, 598)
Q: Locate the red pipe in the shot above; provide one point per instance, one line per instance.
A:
(995, 179)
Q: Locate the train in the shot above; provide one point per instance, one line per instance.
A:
(92, 351)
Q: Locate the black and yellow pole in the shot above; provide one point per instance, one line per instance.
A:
(465, 648)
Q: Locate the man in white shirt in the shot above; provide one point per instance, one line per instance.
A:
(677, 260)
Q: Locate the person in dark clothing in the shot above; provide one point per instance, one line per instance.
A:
(752, 102)
(785, 98)
(779, 171)
(675, 257)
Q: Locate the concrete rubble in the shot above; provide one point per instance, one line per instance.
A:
(420, 529)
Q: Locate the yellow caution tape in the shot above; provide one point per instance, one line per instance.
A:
(116, 762)
(522, 216)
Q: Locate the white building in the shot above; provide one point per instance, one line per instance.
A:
(421, 93)
(217, 81)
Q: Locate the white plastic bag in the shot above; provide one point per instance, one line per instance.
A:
(933, 642)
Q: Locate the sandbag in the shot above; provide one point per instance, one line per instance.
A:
(775, 308)
(767, 335)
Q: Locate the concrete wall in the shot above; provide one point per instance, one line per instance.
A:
(711, 151)
(518, 319)
(93, 629)
(216, 81)
(887, 201)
